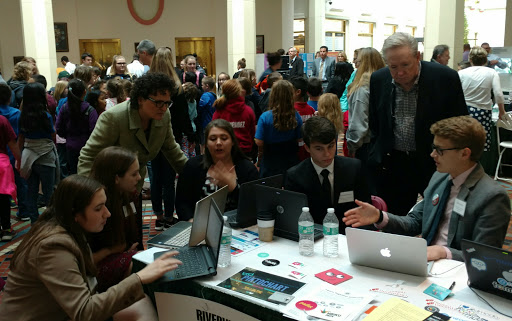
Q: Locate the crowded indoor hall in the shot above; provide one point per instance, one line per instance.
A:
(255, 160)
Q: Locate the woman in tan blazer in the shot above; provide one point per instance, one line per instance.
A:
(52, 273)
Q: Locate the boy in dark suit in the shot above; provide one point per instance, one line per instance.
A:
(327, 180)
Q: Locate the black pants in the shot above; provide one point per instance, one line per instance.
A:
(399, 181)
(138, 218)
(5, 211)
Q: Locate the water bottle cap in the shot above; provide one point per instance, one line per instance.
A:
(305, 209)
(225, 218)
(330, 210)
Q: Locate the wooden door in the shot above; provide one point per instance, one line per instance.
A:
(204, 47)
(103, 50)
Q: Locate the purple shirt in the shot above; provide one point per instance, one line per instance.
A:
(76, 132)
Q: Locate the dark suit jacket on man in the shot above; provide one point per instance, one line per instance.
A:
(485, 218)
(440, 96)
(348, 176)
(297, 67)
(329, 65)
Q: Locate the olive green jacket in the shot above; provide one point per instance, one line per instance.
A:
(121, 126)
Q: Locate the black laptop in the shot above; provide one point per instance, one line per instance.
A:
(202, 259)
(184, 232)
(286, 207)
(489, 268)
(244, 216)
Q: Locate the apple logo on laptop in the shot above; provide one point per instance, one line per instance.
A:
(385, 252)
(507, 275)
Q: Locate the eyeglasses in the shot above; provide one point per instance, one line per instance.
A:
(440, 150)
(120, 63)
(161, 103)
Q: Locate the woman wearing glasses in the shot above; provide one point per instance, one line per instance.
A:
(118, 69)
(142, 125)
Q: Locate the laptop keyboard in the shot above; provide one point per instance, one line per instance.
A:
(180, 239)
(192, 263)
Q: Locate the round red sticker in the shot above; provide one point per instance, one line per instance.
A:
(305, 305)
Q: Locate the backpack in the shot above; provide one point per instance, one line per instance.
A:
(262, 85)
(197, 77)
(16, 100)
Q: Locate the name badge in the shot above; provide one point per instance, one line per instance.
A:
(459, 207)
(125, 210)
(346, 197)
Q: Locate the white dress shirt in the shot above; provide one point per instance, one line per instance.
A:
(319, 170)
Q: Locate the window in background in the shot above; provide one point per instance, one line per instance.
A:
(365, 34)
(335, 34)
(299, 34)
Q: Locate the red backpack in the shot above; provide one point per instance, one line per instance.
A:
(262, 85)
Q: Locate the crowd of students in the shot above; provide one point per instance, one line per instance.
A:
(76, 260)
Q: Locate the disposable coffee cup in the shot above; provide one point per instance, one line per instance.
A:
(266, 226)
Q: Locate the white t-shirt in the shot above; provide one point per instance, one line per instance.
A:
(477, 83)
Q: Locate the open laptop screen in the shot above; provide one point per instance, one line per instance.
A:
(215, 225)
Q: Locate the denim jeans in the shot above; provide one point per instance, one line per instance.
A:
(22, 189)
(162, 177)
(46, 176)
(63, 160)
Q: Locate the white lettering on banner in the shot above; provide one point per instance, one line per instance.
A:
(238, 124)
(178, 307)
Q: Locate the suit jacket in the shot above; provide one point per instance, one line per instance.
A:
(297, 67)
(121, 126)
(485, 218)
(329, 65)
(51, 284)
(440, 96)
(348, 176)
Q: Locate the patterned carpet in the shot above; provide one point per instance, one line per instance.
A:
(22, 227)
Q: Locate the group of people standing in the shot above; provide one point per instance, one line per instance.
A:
(75, 262)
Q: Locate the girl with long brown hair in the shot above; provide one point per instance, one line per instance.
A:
(163, 175)
(231, 107)
(278, 133)
(117, 169)
(358, 133)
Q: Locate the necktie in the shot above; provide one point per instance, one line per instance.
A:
(321, 73)
(441, 206)
(326, 185)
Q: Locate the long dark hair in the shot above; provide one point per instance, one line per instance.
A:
(343, 70)
(70, 199)
(92, 98)
(111, 162)
(236, 152)
(34, 108)
(76, 90)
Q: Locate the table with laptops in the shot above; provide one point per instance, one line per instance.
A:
(386, 264)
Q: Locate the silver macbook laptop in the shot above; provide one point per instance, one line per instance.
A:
(391, 252)
(191, 234)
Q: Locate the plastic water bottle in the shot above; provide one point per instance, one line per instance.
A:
(331, 230)
(306, 233)
(225, 245)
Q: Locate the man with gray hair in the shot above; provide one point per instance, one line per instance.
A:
(441, 55)
(146, 50)
(296, 63)
(406, 98)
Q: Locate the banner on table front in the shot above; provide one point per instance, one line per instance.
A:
(177, 307)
